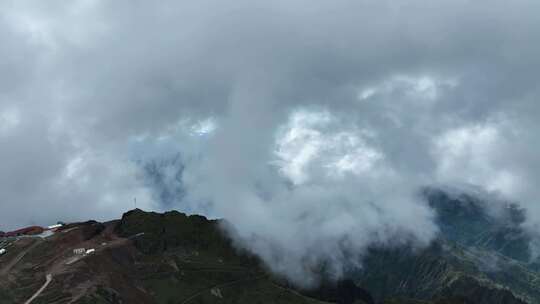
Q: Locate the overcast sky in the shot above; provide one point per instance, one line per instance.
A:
(301, 122)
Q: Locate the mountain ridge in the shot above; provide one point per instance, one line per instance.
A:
(171, 257)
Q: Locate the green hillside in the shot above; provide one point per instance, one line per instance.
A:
(147, 257)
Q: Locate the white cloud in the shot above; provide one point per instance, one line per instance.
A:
(407, 94)
(204, 127)
(469, 155)
(308, 145)
(9, 119)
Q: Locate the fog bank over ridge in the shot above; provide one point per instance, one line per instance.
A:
(311, 126)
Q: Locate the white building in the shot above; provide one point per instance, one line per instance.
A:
(2, 251)
(90, 251)
(54, 226)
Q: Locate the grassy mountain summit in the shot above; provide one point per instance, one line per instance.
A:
(147, 257)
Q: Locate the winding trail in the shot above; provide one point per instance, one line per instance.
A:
(16, 260)
(48, 279)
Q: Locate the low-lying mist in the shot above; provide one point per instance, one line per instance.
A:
(311, 126)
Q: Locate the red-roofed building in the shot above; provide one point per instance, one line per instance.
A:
(32, 230)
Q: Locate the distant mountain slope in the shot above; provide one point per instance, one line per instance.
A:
(441, 271)
(466, 220)
(479, 255)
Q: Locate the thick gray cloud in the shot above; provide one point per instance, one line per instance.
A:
(309, 125)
